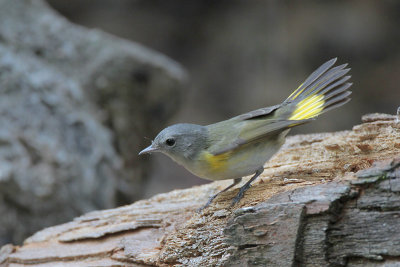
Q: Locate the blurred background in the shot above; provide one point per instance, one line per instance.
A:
(243, 55)
(79, 100)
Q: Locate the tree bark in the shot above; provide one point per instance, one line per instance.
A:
(324, 200)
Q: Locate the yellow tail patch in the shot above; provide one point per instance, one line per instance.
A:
(308, 108)
(217, 162)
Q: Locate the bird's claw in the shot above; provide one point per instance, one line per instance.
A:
(236, 199)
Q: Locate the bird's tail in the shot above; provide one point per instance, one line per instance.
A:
(325, 89)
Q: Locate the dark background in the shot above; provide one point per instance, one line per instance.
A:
(243, 55)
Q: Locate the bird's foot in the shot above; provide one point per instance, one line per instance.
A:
(246, 186)
(207, 204)
(239, 196)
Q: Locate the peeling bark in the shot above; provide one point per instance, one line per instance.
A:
(324, 200)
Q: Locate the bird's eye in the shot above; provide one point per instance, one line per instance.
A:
(170, 142)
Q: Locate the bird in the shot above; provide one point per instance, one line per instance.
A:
(240, 146)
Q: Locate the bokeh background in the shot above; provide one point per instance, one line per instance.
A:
(79, 100)
(243, 55)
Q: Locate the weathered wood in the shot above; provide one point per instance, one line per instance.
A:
(312, 207)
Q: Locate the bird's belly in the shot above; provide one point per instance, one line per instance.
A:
(237, 163)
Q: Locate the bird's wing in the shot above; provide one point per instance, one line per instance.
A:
(258, 113)
(235, 135)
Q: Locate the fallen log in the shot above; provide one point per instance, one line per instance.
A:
(324, 199)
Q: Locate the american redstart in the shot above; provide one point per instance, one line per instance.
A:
(240, 146)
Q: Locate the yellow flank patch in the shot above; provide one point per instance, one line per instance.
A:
(217, 162)
(308, 108)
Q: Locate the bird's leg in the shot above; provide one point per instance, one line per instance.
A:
(246, 186)
(235, 182)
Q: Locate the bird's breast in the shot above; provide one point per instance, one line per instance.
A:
(235, 163)
(227, 165)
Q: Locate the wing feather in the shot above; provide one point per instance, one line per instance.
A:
(253, 132)
(258, 113)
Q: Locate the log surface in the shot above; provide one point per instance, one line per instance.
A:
(324, 200)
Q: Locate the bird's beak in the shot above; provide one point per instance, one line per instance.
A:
(148, 149)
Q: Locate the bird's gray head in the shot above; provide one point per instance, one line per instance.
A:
(179, 141)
